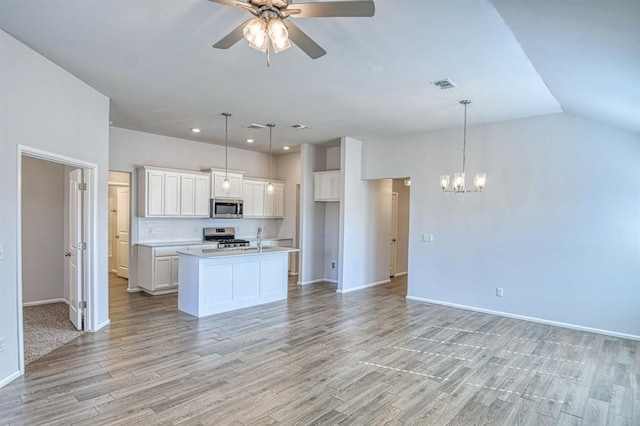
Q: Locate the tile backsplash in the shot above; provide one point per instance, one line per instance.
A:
(151, 230)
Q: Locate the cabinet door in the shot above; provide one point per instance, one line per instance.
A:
(187, 195)
(155, 193)
(236, 186)
(171, 194)
(268, 202)
(322, 187)
(278, 200)
(202, 194)
(336, 186)
(259, 190)
(162, 277)
(247, 197)
(174, 270)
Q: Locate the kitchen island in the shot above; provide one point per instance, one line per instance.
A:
(212, 281)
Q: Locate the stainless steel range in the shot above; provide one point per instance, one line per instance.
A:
(225, 237)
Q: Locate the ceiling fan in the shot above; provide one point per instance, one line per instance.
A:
(271, 25)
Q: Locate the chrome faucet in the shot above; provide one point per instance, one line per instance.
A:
(259, 237)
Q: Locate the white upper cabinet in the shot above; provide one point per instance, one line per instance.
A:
(202, 194)
(327, 185)
(235, 179)
(257, 203)
(173, 193)
(274, 203)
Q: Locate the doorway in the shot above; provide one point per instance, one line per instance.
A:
(55, 242)
(399, 238)
(119, 223)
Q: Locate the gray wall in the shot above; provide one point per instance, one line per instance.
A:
(43, 226)
(365, 223)
(44, 107)
(557, 226)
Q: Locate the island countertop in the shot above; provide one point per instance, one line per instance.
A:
(236, 251)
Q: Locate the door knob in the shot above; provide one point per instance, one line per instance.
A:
(67, 254)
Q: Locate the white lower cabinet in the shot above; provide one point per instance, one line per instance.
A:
(158, 268)
(165, 272)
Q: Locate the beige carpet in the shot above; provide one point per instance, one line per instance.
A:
(46, 328)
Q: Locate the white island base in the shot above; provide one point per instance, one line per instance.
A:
(211, 282)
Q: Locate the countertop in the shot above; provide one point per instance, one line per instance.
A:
(236, 252)
(200, 242)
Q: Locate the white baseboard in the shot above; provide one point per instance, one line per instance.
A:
(399, 274)
(45, 302)
(10, 378)
(134, 290)
(362, 287)
(321, 280)
(526, 318)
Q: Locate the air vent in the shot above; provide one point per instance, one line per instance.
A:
(255, 126)
(444, 84)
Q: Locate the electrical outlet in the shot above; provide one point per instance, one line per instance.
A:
(333, 265)
(427, 238)
(499, 292)
(1, 344)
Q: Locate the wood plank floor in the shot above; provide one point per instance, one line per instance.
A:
(368, 357)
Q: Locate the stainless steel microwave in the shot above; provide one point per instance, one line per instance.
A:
(226, 209)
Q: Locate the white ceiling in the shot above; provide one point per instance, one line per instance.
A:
(512, 58)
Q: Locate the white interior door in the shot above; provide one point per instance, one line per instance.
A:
(122, 237)
(394, 234)
(75, 253)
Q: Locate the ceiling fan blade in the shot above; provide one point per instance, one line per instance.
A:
(303, 41)
(233, 3)
(241, 4)
(232, 38)
(335, 9)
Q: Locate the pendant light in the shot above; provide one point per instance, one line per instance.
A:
(226, 185)
(270, 189)
(458, 185)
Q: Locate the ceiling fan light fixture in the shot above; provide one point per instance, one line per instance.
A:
(279, 35)
(256, 34)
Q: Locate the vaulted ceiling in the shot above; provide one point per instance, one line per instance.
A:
(512, 58)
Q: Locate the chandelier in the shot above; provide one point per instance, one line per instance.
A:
(458, 184)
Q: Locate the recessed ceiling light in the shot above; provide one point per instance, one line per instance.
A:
(300, 126)
(286, 148)
(196, 130)
(250, 140)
